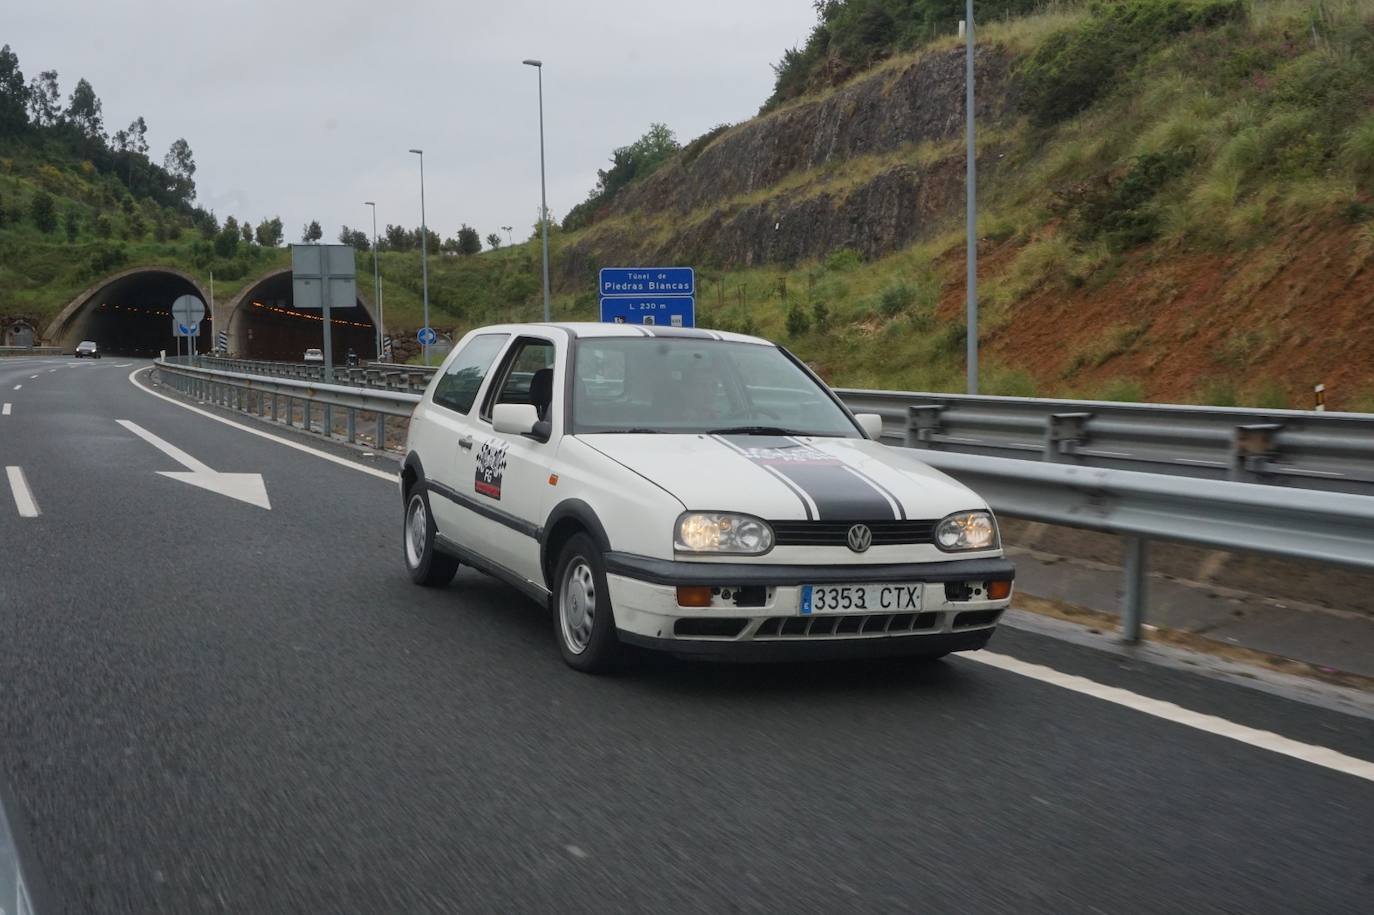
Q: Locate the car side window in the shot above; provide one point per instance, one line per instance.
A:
(457, 389)
(526, 377)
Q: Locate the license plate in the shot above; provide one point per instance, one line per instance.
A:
(895, 598)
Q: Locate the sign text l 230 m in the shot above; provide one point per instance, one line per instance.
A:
(617, 281)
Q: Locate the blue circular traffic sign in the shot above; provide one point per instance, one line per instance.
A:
(426, 336)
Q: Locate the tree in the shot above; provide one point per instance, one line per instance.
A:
(798, 323)
(227, 241)
(43, 213)
(136, 227)
(493, 241)
(101, 226)
(180, 166)
(312, 231)
(247, 232)
(355, 237)
(45, 101)
(84, 111)
(469, 242)
(138, 137)
(14, 96)
(398, 238)
(71, 223)
(269, 232)
(628, 163)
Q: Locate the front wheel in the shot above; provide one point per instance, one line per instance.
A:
(426, 565)
(583, 623)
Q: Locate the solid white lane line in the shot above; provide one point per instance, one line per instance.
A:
(1211, 724)
(23, 496)
(123, 365)
(32, 377)
(332, 458)
(50, 371)
(18, 386)
(5, 411)
(167, 448)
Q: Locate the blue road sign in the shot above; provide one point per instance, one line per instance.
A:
(426, 336)
(660, 310)
(650, 281)
(187, 330)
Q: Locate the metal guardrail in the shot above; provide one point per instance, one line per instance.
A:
(276, 398)
(1052, 481)
(30, 350)
(381, 375)
(1309, 450)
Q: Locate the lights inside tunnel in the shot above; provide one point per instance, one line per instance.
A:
(333, 318)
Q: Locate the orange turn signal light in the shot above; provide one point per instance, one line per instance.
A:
(999, 590)
(693, 596)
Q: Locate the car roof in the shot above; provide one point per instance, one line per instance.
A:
(584, 329)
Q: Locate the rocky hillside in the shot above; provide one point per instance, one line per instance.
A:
(1175, 203)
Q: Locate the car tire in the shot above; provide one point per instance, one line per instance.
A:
(426, 565)
(580, 591)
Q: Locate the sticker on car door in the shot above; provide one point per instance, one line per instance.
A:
(491, 467)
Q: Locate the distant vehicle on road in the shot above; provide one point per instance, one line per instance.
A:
(694, 491)
(314, 355)
(87, 348)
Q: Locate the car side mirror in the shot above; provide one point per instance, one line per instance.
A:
(871, 423)
(520, 419)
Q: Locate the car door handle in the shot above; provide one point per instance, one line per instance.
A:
(465, 443)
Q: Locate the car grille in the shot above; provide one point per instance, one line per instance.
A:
(865, 624)
(836, 533)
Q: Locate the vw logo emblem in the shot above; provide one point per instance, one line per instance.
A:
(860, 538)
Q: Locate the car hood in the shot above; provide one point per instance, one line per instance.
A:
(790, 478)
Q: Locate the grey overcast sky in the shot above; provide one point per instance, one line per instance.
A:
(305, 110)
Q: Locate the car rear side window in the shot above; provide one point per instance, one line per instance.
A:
(457, 389)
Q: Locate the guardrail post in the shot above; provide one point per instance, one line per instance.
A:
(381, 431)
(352, 425)
(327, 417)
(1252, 446)
(1064, 432)
(1133, 588)
(290, 411)
(922, 425)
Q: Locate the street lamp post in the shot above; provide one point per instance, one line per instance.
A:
(424, 249)
(543, 198)
(376, 283)
(972, 205)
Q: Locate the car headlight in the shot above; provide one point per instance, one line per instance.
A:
(722, 532)
(967, 531)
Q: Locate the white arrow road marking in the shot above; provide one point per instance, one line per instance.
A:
(5, 411)
(246, 487)
(23, 496)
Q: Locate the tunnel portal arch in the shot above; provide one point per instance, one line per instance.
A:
(129, 313)
(262, 323)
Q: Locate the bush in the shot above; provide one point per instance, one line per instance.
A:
(43, 212)
(105, 258)
(951, 341)
(844, 260)
(1122, 209)
(820, 316)
(694, 148)
(895, 299)
(797, 321)
(1076, 66)
(1358, 150)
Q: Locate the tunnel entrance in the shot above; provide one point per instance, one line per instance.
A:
(264, 324)
(129, 314)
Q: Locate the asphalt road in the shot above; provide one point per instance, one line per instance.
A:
(206, 705)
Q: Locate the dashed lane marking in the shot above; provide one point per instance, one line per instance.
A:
(23, 496)
(1211, 724)
(5, 410)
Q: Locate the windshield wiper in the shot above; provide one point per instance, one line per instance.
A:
(757, 430)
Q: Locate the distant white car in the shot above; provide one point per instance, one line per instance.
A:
(87, 348)
(694, 491)
(314, 355)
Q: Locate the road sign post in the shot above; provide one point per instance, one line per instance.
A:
(660, 296)
(323, 277)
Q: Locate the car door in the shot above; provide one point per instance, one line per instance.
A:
(511, 473)
(448, 431)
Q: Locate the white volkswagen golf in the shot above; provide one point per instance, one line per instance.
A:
(689, 490)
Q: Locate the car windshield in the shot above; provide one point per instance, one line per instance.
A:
(661, 384)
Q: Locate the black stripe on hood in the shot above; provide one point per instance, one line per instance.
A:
(838, 494)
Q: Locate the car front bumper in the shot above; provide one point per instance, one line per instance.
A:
(769, 625)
